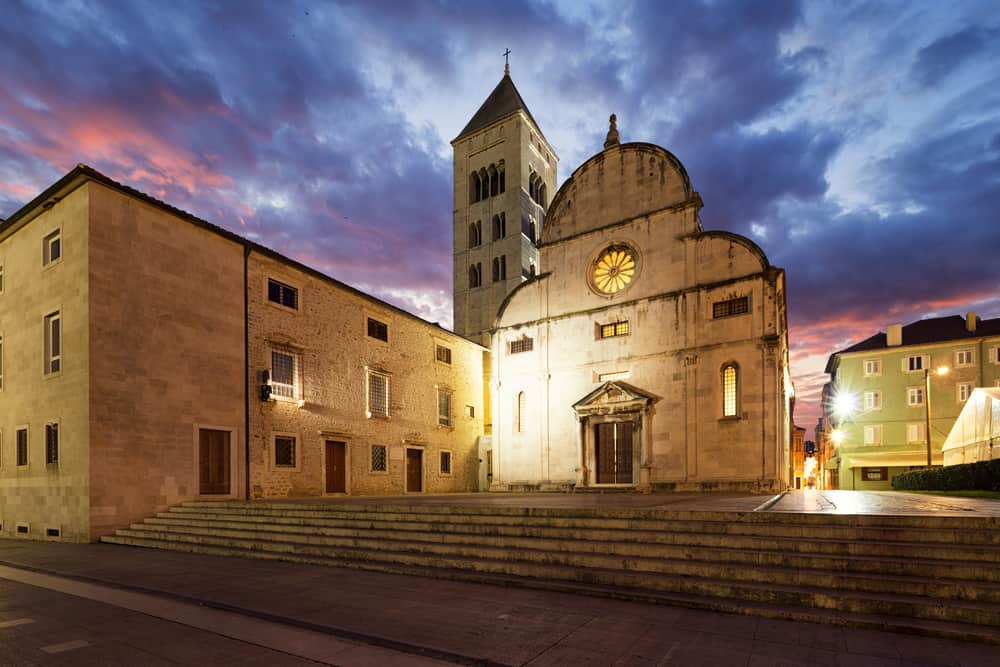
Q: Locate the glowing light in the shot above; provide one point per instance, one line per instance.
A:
(809, 471)
(837, 436)
(942, 370)
(844, 403)
(614, 270)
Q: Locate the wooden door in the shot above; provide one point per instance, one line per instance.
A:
(213, 461)
(414, 471)
(336, 467)
(613, 452)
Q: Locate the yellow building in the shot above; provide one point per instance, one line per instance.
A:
(136, 341)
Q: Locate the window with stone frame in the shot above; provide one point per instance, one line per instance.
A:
(730, 307)
(442, 354)
(285, 454)
(378, 393)
(379, 458)
(523, 344)
(444, 407)
(282, 294)
(286, 373)
(21, 446)
(445, 463)
(52, 443)
(730, 390)
(53, 343)
(378, 330)
(52, 248)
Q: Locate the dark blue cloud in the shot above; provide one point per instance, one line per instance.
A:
(946, 54)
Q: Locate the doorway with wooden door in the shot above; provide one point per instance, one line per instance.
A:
(336, 467)
(214, 461)
(414, 470)
(614, 452)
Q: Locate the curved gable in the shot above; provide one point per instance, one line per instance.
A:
(620, 183)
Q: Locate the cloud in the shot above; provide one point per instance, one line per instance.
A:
(946, 54)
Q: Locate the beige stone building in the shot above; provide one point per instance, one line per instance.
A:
(648, 352)
(134, 342)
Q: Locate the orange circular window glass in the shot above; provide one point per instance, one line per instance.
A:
(614, 269)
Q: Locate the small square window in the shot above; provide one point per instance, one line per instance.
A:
(614, 329)
(873, 400)
(470, 411)
(915, 432)
(442, 354)
(873, 434)
(379, 458)
(378, 330)
(283, 294)
(52, 443)
(21, 438)
(51, 248)
(963, 358)
(445, 463)
(914, 396)
(524, 344)
(284, 451)
(873, 367)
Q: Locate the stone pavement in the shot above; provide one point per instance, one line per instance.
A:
(420, 619)
(883, 502)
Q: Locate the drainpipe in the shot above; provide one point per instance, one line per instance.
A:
(246, 371)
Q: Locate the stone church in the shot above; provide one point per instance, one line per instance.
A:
(629, 346)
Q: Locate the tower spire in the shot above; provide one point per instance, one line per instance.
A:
(613, 139)
(506, 62)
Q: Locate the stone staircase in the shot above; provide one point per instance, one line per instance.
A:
(936, 576)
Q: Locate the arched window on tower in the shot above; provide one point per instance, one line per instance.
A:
(474, 187)
(475, 275)
(476, 234)
(499, 226)
(730, 390)
(543, 194)
(484, 184)
(503, 177)
(494, 181)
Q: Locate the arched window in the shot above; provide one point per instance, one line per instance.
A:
(499, 226)
(503, 267)
(522, 405)
(496, 269)
(543, 193)
(503, 178)
(475, 187)
(475, 275)
(476, 234)
(484, 184)
(730, 390)
(494, 181)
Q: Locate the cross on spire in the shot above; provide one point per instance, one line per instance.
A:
(506, 60)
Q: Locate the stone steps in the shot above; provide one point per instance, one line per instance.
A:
(852, 570)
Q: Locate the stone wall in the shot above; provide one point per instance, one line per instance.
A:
(327, 333)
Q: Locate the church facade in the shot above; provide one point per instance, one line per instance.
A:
(640, 350)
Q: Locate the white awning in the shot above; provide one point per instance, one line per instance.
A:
(891, 459)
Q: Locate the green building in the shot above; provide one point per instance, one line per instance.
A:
(876, 407)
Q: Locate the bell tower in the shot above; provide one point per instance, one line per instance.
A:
(504, 177)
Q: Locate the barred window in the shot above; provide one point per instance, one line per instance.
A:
(614, 329)
(730, 387)
(52, 443)
(444, 407)
(286, 295)
(738, 306)
(379, 458)
(284, 451)
(378, 393)
(445, 463)
(285, 374)
(442, 354)
(378, 330)
(522, 345)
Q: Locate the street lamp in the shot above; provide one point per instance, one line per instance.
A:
(940, 370)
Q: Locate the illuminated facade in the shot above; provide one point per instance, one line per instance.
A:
(646, 352)
(876, 407)
(148, 357)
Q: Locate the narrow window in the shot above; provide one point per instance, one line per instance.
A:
(379, 458)
(442, 354)
(484, 184)
(873, 367)
(21, 438)
(915, 432)
(730, 307)
(378, 330)
(914, 396)
(873, 434)
(730, 387)
(964, 391)
(378, 393)
(503, 267)
(284, 451)
(474, 183)
(283, 294)
(444, 407)
(494, 181)
(286, 373)
(963, 358)
(496, 269)
(51, 248)
(53, 343)
(52, 443)
(445, 463)
(873, 400)
(522, 406)
(1, 278)
(474, 276)
(503, 179)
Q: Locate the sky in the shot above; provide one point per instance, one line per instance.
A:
(858, 143)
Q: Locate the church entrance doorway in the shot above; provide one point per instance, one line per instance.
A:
(336, 467)
(414, 470)
(613, 451)
(213, 461)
